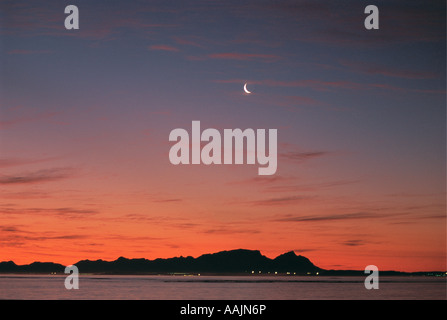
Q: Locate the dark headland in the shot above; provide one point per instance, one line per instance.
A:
(240, 261)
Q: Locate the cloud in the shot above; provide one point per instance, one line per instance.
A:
(329, 86)
(335, 217)
(279, 201)
(291, 103)
(400, 22)
(24, 51)
(321, 85)
(229, 231)
(26, 195)
(17, 239)
(189, 41)
(12, 162)
(303, 156)
(15, 236)
(167, 221)
(354, 243)
(96, 22)
(122, 237)
(163, 47)
(276, 184)
(308, 187)
(244, 56)
(435, 216)
(26, 118)
(262, 180)
(66, 211)
(304, 250)
(9, 229)
(389, 71)
(61, 237)
(301, 100)
(46, 175)
(168, 200)
(63, 212)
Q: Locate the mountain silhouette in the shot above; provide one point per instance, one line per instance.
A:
(240, 261)
(233, 261)
(35, 267)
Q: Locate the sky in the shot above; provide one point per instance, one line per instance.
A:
(85, 117)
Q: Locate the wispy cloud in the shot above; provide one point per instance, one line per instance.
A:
(166, 221)
(303, 156)
(163, 47)
(167, 200)
(331, 86)
(308, 187)
(27, 194)
(46, 175)
(334, 217)
(390, 71)
(63, 212)
(263, 180)
(304, 250)
(189, 40)
(39, 18)
(16, 236)
(300, 100)
(230, 231)
(245, 56)
(26, 118)
(279, 201)
(10, 228)
(399, 24)
(20, 240)
(12, 162)
(122, 237)
(354, 243)
(24, 51)
(67, 211)
(319, 85)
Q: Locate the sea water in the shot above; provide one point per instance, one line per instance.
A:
(169, 287)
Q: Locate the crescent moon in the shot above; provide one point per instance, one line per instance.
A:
(245, 89)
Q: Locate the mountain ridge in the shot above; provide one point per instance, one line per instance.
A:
(227, 261)
(237, 261)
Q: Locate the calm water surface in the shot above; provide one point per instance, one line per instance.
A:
(32, 287)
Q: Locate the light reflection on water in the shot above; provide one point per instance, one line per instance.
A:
(31, 287)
